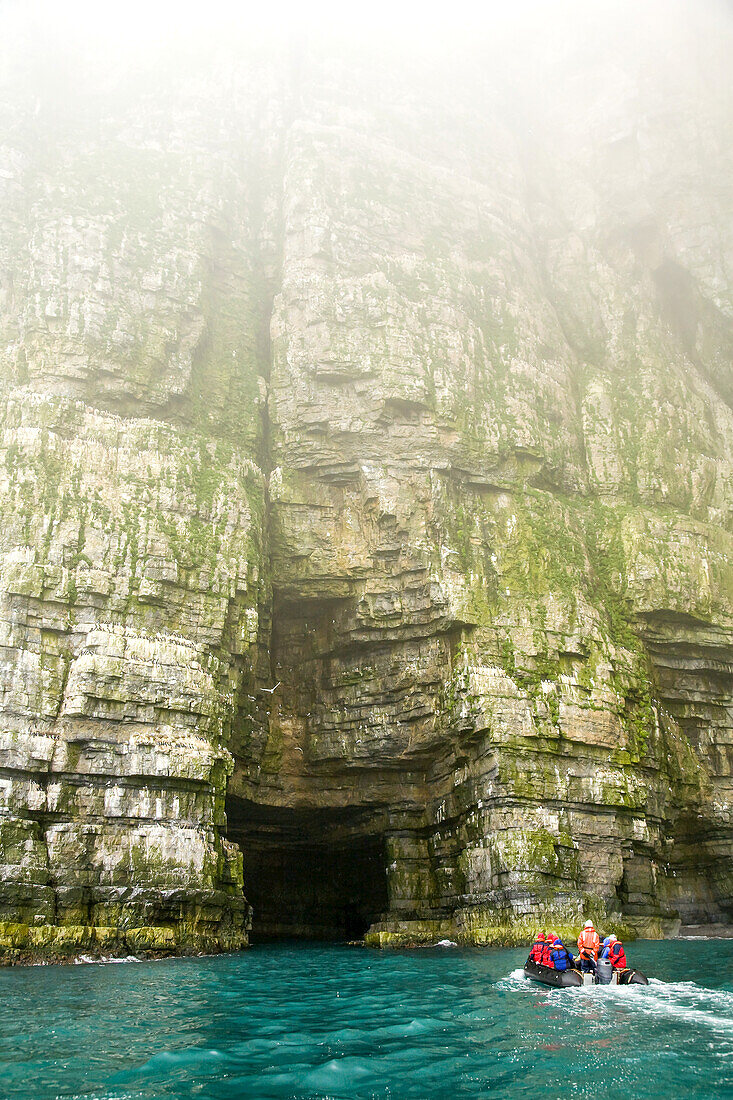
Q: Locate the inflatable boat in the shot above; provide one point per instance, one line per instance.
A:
(566, 979)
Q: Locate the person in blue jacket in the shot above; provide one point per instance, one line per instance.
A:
(562, 959)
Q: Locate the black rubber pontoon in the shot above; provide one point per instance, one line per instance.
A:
(632, 977)
(560, 979)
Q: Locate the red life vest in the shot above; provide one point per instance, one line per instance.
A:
(617, 955)
(537, 948)
(546, 959)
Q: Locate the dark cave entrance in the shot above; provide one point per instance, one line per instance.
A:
(309, 874)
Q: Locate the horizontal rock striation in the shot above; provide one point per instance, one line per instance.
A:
(129, 624)
(134, 341)
(366, 471)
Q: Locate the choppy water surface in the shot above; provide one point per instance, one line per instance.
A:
(323, 1021)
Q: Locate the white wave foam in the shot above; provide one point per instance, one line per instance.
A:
(86, 960)
(665, 1006)
(696, 1005)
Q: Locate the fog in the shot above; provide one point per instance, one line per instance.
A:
(525, 26)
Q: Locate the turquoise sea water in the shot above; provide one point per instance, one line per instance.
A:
(328, 1021)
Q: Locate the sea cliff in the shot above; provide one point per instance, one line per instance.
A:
(366, 477)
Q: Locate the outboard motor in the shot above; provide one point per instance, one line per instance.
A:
(604, 972)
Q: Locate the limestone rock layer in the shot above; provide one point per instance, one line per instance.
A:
(366, 476)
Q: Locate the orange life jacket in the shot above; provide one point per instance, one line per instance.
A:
(588, 943)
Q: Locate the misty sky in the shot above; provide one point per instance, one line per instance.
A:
(137, 24)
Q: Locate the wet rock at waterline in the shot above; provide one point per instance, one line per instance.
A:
(367, 456)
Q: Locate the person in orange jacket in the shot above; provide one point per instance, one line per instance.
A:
(588, 943)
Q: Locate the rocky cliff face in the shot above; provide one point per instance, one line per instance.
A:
(366, 477)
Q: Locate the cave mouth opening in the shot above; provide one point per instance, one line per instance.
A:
(317, 874)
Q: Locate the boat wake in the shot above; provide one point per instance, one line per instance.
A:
(700, 1009)
(686, 1001)
(710, 1009)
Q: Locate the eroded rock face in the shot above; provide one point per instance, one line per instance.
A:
(131, 574)
(368, 460)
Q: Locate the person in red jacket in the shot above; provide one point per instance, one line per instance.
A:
(537, 948)
(546, 959)
(551, 941)
(616, 954)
